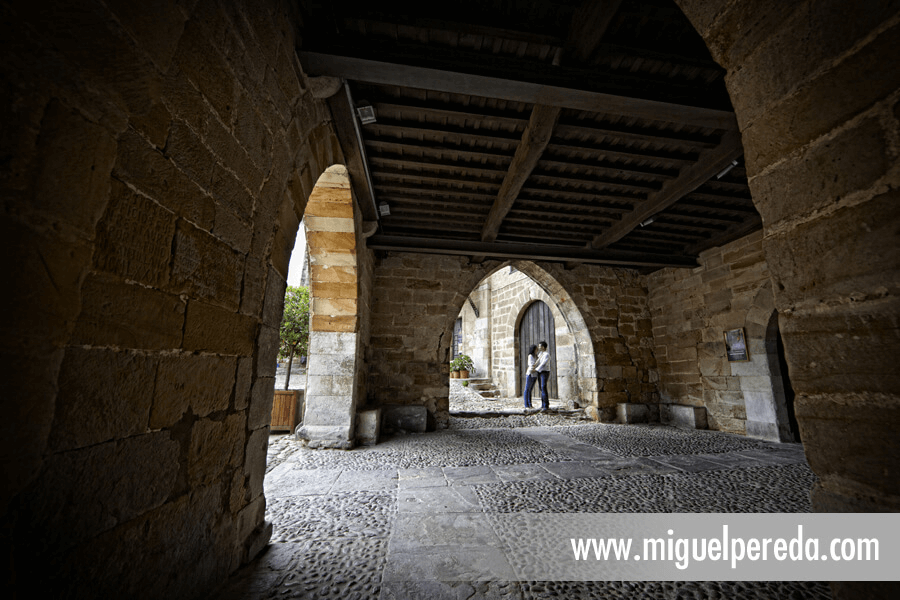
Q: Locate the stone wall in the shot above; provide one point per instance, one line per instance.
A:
(691, 310)
(476, 329)
(417, 298)
(157, 159)
(816, 94)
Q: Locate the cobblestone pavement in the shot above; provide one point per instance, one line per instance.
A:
(348, 524)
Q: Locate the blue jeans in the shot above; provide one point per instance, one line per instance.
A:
(542, 382)
(529, 385)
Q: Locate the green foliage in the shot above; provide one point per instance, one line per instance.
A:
(294, 331)
(462, 361)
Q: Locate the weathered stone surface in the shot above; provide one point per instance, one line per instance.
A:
(215, 447)
(206, 268)
(680, 415)
(212, 329)
(635, 413)
(368, 426)
(77, 489)
(104, 395)
(261, 402)
(255, 461)
(201, 383)
(145, 167)
(76, 157)
(406, 418)
(135, 238)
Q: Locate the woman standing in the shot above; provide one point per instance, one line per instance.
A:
(530, 375)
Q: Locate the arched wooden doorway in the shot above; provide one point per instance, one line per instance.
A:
(537, 326)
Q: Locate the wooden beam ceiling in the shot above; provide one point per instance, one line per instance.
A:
(710, 163)
(535, 138)
(444, 80)
(528, 251)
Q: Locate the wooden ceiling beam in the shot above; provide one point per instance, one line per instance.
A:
(528, 251)
(489, 116)
(534, 139)
(658, 156)
(670, 138)
(710, 163)
(406, 145)
(429, 129)
(434, 190)
(347, 129)
(425, 163)
(396, 71)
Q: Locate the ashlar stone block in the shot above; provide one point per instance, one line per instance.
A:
(683, 416)
(405, 418)
(368, 426)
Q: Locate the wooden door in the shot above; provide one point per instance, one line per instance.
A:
(537, 326)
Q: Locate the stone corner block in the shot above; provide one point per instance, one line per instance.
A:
(368, 426)
(405, 418)
(684, 416)
(630, 412)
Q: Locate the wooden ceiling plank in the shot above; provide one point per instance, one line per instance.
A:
(454, 82)
(445, 113)
(426, 163)
(662, 137)
(534, 140)
(710, 163)
(528, 251)
(415, 129)
(668, 158)
(479, 153)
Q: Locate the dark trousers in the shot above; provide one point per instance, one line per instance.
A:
(529, 385)
(542, 383)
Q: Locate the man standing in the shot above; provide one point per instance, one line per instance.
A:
(542, 367)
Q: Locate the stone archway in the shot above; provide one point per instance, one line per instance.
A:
(331, 388)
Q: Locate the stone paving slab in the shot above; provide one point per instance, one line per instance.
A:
(415, 517)
(436, 499)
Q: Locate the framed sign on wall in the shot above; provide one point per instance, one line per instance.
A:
(736, 345)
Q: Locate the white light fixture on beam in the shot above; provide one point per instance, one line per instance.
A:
(384, 210)
(366, 114)
(724, 171)
(648, 221)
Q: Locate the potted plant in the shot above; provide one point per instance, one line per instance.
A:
(464, 364)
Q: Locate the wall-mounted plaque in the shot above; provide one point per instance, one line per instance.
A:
(736, 345)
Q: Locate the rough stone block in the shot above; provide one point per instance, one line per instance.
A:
(147, 169)
(203, 383)
(104, 395)
(261, 402)
(215, 446)
(368, 426)
(326, 436)
(405, 418)
(856, 158)
(134, 237)
(683, 416)
(627, 412)
(115, 313)
(212, 329)
(84, 492)
(841, 257)
(206, 268)
(255, 461)
(76, 159)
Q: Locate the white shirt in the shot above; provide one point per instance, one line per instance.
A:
(530, 370)
(543, 362)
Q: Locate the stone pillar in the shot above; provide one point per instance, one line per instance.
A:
(330, 409)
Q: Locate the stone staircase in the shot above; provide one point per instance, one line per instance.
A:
(484, 386)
